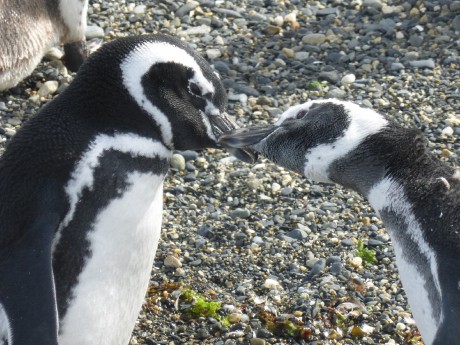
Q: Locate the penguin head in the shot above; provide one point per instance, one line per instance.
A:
(309, 138)
(180, 91)
(155, 83)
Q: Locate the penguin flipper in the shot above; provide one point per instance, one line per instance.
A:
(27, 292)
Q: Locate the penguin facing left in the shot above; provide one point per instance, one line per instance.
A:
(416, 195)
(81, 190)
(28, 29)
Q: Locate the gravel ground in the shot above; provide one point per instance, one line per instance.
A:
(280, 253)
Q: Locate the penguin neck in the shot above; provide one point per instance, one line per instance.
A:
(416, 196)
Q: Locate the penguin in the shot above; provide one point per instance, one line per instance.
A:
(81, 190)
(28, 29)
(415, 194)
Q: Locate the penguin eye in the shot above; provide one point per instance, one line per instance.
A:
(195, 89)
(301, 114)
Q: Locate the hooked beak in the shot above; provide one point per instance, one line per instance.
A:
(244, 137)
(222, 124)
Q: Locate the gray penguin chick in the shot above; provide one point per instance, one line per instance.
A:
(28, 29)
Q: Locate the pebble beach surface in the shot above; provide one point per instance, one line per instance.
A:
(280, 254)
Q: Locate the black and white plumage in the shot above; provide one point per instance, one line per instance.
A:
(415, 194)
(28, 29)
(81, 190)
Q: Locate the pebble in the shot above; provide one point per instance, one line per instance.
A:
(336, 93)
(177, 162)
(297, 234)
(429, 63)
(213, 53)
(240, 213)
(172, 261)
(314, 39)
(94, 31)
(348, 79)
(356, 262)
(448, 131)
(317, 268)
(186, 9)
(330, 76)
(48, 88)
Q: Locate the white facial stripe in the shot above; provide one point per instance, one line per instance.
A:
(363, 122)
(390, 195)
(73, 13)
(139, 62)
(292, 112)
(83, 175)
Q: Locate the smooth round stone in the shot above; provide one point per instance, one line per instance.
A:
(336, 93)
(374, 242)
(396, 66)
(48, 88)
(448, 131)
(186, 9)
(330, 76)
(301, 55)
(429, 63)
(240, 213)
(297, 234)
(314, 39)
(348, 79)
(213, 53)
(221, 67)
(177, 161)
(172, 262)
(139, 9)
(356, 262)
(94, 31)
(347, 242)
(54, 54)
(189, 155)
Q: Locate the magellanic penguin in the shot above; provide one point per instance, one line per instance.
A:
(81, 190)
(28, 29)
(415, 194)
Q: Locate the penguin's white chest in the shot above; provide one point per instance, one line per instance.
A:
(112, 285)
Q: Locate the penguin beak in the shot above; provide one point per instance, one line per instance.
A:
(244, 137)
(222, 124)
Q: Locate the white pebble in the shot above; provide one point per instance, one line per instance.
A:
(448, 131)
(48, 88)
(271, 284)
(278, 21)
(356, 262)
(213, 53)
(348, 79)
(400, 326)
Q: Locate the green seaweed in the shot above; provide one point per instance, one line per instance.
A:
(368, 255)
(201, 307)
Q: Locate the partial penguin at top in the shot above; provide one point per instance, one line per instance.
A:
(414, 192)
(81, 190)
(28, 29)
